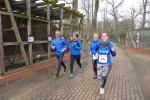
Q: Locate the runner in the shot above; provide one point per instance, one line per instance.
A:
(104, 60)
(75, 53)
(92, 51)
(60, 45)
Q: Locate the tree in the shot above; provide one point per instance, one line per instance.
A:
(115, 6)
(145, 4)
(94, 21)
(87, 8)
(133, 14)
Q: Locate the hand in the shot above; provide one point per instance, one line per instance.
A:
(96, 55)
(112, 49)
(63, 50)
(81, 51)
(73, 46)
(90, 53)
(53, 47)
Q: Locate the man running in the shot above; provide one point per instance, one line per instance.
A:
(59, 43)
(75, 53)
(104, 60)
(92, 51)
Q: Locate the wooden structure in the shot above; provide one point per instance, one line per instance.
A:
(18, 14)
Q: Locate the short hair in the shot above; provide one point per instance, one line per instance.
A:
(96, 34)
(58, 32)
(104, 33)
(76, 34)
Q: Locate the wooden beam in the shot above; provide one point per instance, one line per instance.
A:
(23, 16)
(28, 3)
(48, 28)
(16, 31)
(24, 43)
(2, 65)
(4, 13)
(33, 5)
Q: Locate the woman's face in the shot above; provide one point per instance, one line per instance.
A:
(74, 37)
(104, 37)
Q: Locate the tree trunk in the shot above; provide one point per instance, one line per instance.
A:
(95, 14)
(75, 8)
(144, 13)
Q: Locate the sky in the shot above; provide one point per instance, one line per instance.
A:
(123, 9)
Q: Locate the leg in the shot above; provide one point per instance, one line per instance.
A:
(102, 74)
(99, 72)
(94, 67)
(60, 59)
(63, 64)
(71, 63)
(105, 72)
(78, 57)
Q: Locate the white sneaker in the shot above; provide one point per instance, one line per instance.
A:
(101, 91)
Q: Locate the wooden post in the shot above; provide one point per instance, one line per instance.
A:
(16, 31)
(48, 29)
(28, 4)
(127, 38)
(2, 65)
(61, 19)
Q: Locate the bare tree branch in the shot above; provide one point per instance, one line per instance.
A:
(119, 4)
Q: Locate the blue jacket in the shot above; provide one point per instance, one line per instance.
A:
(94, 46)
(104, 52)
(75, 47)
(59, 44)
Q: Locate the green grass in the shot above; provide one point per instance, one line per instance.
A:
(146, 39)
(146, 47)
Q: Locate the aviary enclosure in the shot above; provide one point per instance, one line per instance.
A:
(23, 19)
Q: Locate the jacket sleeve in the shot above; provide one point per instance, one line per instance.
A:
(65, 43)
(52, 44)
(79, 47)
(113, 53)
(90, 50)
(97, 46)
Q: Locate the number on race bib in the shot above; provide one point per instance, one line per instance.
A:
(103, 58)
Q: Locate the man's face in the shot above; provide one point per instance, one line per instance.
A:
(104, 37)
(57, 34)
(96, 37)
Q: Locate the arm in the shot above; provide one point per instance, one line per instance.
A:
(52, 46)
(90, 51)
(65, 45)
(78, 46)
(112, 50)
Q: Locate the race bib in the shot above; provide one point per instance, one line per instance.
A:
(103, 58)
